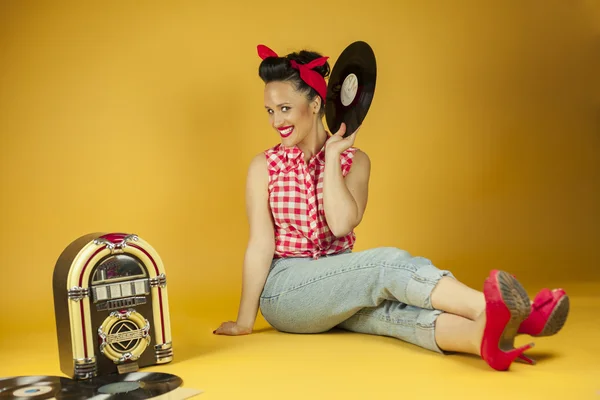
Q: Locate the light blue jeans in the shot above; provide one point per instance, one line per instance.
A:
(383, 291)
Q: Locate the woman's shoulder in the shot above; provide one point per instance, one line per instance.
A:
(257, 169)
(266, 160)
(354, 154)
(354, 158)
(359, 155)
(274, 157)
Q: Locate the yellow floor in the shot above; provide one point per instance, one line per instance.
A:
(341, 365)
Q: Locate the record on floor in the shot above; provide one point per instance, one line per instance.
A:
(134, 385)
(40, 387)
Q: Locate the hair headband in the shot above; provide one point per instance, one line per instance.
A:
(312, 78)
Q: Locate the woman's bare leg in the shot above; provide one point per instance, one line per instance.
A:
(454, 297)
(454, 333)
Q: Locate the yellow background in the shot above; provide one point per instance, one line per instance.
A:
(142, 117)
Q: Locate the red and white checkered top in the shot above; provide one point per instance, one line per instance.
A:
(296, 200)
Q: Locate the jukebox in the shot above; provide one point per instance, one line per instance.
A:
(111, 306)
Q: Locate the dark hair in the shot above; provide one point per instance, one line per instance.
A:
(273, 69)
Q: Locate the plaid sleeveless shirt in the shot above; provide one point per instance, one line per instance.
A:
(296, 201)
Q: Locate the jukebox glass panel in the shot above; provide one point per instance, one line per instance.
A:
(118, 267)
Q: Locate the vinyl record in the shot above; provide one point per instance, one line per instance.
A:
(41, 387)
(351, 87)
(134, 385)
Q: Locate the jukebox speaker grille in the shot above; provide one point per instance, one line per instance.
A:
(124, 335)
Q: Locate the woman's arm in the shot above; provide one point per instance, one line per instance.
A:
(345, 199)
(259, 251)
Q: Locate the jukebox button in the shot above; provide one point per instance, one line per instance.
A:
(115, 291)
(126, 289)
(101, 293)
(140, 287)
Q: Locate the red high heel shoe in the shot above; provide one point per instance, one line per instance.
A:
(549, 313)
(507, 306)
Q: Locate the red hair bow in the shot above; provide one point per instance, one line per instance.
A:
(312, 78)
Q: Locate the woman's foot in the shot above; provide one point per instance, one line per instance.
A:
(549, 312)
(507, 306)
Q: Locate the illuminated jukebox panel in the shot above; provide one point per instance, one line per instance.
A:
(111, 306)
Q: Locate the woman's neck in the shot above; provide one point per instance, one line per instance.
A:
(314, 141)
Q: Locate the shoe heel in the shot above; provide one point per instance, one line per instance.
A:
(526, 359)
(519, 352)
(515, 354)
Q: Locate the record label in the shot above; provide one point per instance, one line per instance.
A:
(32, 391)
(119, 387)
(349, 89)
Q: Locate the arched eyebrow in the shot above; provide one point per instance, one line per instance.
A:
(280, 105)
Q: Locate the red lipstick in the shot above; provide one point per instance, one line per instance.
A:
(286, 131)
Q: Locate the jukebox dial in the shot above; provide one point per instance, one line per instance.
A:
(111, 306)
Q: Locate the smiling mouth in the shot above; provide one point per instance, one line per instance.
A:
(286, 131)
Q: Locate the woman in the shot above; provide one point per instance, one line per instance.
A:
(305, 197)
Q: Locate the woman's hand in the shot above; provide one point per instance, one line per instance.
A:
(231, 328)
(337, 143)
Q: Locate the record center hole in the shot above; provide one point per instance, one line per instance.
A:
(119, 387)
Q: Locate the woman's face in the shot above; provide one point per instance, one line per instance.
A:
(291, 114)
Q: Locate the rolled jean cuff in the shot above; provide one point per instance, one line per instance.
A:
(424, 280)
(425, 330)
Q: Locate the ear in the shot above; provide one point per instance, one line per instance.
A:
(316, 105)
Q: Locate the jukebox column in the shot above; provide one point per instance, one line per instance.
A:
(84, 354)
(160, 305)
